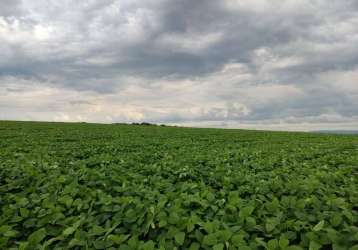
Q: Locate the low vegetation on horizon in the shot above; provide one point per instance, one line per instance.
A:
(96, 186)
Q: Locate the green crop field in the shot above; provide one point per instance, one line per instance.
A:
(92, 186)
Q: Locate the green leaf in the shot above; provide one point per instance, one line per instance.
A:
(336, 219)
(219, 246)
(244, 247)
(24, 212)
(272, 244)
(100, 244)
(37, 236)
(174, 218)
(190, 227)
(348, 215)
(210, 240)
(225, 235)
(23, 201)
(194, 246)
(97, 230)
(66, 200)
(250, 221)
(118, 239)
(179, 238)
(125, 247)
(23, 245)
(314, 245)
(283, 242)
(238, 240)
(260, 241)
(162, 223)
(209, 227)
(4, 229)
(149, 245)
(50, 241)
(10, 233)
(319, 226)
(68, 231)
(294, 248)
(133, 242)
(76, 242)
(246, 211)
(271, 224)
(7, 231)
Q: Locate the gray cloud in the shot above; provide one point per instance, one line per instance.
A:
(188, 62)
(10, 8)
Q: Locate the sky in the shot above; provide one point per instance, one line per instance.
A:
(261, 64)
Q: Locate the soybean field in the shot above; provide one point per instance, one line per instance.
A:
(98, 186)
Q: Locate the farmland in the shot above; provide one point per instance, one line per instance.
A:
(93, 186)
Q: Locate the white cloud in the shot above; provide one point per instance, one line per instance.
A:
(218, 63)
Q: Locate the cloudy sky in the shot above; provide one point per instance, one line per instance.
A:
(268, 64)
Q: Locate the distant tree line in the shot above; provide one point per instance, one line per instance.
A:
(148, 124)
(141, 124)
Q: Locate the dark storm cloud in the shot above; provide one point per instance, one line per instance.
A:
(295, 49)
